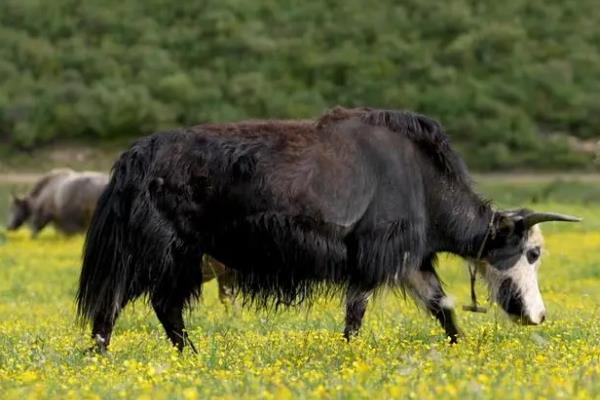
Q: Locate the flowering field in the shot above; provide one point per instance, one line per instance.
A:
(300, 353)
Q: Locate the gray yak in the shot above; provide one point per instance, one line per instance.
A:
(63, 198)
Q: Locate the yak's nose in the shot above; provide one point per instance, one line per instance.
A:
(540, 319)
(529, 320)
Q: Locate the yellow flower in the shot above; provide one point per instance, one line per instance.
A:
(28, 376)
(190, 394)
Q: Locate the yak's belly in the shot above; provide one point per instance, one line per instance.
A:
(284, 247)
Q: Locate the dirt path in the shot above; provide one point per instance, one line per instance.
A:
(542, 177)
(29, 177)
(15, 178)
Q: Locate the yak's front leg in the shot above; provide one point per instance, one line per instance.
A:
(38, 222)
(357, 299)
(425, 286)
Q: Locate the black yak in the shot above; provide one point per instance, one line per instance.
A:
(356, 200)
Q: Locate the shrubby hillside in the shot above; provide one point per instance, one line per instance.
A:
(516, 82)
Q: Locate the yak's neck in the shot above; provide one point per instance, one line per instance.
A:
(462, 222)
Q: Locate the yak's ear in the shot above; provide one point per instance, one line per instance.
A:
(505, 223)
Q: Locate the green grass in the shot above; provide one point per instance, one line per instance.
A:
(534, 192)
(401, 353)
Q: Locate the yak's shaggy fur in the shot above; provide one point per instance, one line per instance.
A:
(357, 199)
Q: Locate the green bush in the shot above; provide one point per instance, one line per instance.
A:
(504, 77)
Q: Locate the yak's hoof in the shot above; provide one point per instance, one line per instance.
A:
(100, 346)
(95, 349)
(453, 339)
(349, 334)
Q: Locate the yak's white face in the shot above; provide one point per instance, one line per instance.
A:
(512, 276)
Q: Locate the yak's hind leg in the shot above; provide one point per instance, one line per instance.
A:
(177, 288)
(425, 286)
(357, 299)
(102, 328)
(170, 316)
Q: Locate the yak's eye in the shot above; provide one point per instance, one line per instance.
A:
(533, 255)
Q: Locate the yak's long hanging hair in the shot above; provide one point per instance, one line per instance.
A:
(144, 242)
(130, 248)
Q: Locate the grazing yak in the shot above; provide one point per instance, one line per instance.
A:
(63, 197)
(359, 199)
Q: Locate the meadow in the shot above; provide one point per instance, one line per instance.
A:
(300, 353)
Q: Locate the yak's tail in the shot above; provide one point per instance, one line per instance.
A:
(128, 244)
(104, 283)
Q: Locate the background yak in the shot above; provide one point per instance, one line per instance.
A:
(62, 197)
(358, 199)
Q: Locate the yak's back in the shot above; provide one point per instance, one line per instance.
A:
(427, 133)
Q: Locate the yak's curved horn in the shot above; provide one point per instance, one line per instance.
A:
(537, 217)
